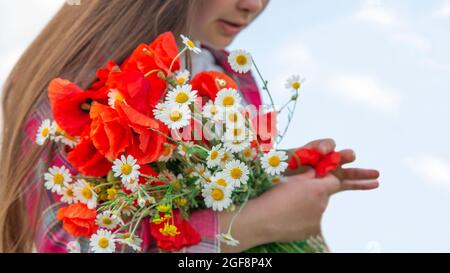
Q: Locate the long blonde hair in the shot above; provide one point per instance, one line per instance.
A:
(77, 41)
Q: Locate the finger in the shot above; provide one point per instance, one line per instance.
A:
(325, 146)
(358, 174)
(347, 156)
(361, 185)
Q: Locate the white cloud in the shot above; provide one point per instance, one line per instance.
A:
(367, 91)
(399, 30)
(443, 11)
(433, 169)
(373, 11)
(413, 39)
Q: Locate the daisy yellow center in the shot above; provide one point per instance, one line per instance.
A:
(118, 97)
(228, 101)
(234, 117)
(213, 110)
(236, 173)
(241, 60)
(45, 132)
(247, 152)
(126, 169)
(190, 44)
(175, 116)
(214, 155)
(276, 180)
(274, 161)
(217, 194)
(225, 158)
(237, 132)
(86, 192)
(221, 182)
(103, 242)
(181, 80)
(107, 221)
(296, 85)
(69, 193)
(58, 179)
(182, 98)
(131, 181)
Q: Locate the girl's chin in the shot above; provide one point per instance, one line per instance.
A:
(219, 41)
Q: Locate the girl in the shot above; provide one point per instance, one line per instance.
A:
(80, 39)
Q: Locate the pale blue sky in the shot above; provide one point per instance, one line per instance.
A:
(378, 77)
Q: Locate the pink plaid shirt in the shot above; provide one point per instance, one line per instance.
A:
(43, 205)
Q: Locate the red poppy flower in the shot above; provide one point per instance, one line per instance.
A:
(323, 164)
(141, 93)
(209, 83)
(188, 236)
(328, 163)
(304, 156)
(86, 158)
(148, 134)
(103, 74)
(110, 133)
(157, 55)
(78, 220)
(71, 105)
(265, 127)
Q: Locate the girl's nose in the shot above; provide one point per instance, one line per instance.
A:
(252, 6)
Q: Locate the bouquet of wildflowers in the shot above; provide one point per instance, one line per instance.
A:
(147, 143)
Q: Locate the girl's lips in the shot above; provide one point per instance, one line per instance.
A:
(230, 28)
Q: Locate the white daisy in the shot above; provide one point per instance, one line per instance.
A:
(236, 133)
(190, 44)
(237, 146)
(68, 195)
(200, 170)
(228, 239)
(220, 180)
(44, 132)
(181, 95)
(176, 117)
(73, 247)
(216, 197)
(85, 194)
(184, 147)
(228, 98)
(182, 77)
(57, 178)
(131, 240)
(114, 96)
(240, 61)
(278, 179)
(129, 210)
(126, 168)
(103, 242)
(227, 156)
(249, 154)
(159, 110)
(211, 111)
(67, 140)
(234, 118)
(214, 156)
(107, 220)
(294, 83)
(236, 172)
(274, 162)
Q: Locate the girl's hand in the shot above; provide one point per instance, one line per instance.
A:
(293, 211)
(350, 177)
